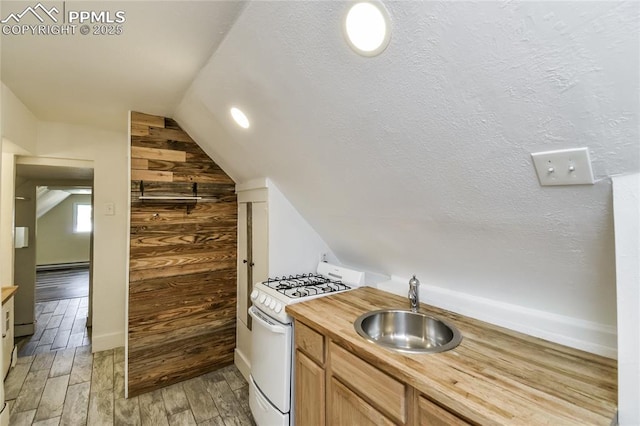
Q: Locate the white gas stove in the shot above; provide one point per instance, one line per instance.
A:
(271, 385)
(273, 295)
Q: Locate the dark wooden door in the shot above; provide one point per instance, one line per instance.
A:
(182, 263)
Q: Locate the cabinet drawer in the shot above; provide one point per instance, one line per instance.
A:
(310, 342)
(347, 408)
(432, 414)
(386, 393)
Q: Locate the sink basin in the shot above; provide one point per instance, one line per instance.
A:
(407, 331)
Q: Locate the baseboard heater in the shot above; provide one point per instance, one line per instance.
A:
(58, 266)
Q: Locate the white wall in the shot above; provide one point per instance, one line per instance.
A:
(626, 202)
(25, 260)
(294, 246)
(418, 160)
(109, 151)
(20, 125)
(7, 195)
(57, 242)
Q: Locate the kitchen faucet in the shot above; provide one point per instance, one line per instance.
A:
(414, 297)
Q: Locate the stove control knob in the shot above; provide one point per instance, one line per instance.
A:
(262, 297)
(266, 302)
(278, 308)
(254, 294)
(272, 305)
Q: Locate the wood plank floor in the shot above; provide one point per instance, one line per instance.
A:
(57, 381)
(62, 284)
(74, 387)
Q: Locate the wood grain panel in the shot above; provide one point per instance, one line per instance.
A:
(434, 415)
(156, 367)
(220, 177)
(140, 164)
(180, 283)
(309, 392)
(158, 240)
(152, 175)
(146, 119)
(170, 134)
(191, 167)
(138, 129)
(182, 264)
(347, 408)
(158, 154)
(310, 342)
(190, 148)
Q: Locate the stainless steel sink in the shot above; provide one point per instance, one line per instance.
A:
(407, 331)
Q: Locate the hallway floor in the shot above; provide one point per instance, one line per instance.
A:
(74, 387)
(61, 284)
(60, 324)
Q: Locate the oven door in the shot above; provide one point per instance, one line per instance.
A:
(271, 358)
(264, 413)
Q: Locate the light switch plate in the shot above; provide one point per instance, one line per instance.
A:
(563, 167)
(109, 209)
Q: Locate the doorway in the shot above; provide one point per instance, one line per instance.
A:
(54, 270)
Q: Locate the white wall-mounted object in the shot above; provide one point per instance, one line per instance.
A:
(367, 28)
(21, 237)
(563, 167)
(109, 209)
(626, 217)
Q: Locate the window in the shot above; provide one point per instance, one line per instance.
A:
(81, 218)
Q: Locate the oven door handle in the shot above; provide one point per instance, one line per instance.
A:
(266, 322)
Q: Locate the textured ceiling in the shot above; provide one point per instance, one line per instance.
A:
(95, 79)
(417, 161)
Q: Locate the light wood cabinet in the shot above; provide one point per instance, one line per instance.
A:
(433, 415)
(382, 390)
(7, 335)
(310, 392)
(347, 408)
(333, 386)
(310, 342)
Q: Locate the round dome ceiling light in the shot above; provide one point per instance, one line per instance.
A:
(239, 117)
(367, 28)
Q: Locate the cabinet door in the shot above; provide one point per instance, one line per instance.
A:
(433, 415)
(7, 335)
(347, 408)
(243, 267)
(252, 253)
(309, 391)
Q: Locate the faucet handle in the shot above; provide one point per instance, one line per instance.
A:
(414, 281)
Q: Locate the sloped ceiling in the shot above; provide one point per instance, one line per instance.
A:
(96, 79)
(417, 161)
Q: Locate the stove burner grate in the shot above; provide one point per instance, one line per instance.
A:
(303, 285)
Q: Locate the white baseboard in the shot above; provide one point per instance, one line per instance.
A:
(23, 330)
(107, 341)
(576, 333)
(241, 361)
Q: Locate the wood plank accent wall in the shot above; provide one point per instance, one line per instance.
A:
(182, 263)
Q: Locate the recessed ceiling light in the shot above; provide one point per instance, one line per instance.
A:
(240, 118)
(367, 28)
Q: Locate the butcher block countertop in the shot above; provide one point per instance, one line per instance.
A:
(7, 292)
(495, 376)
